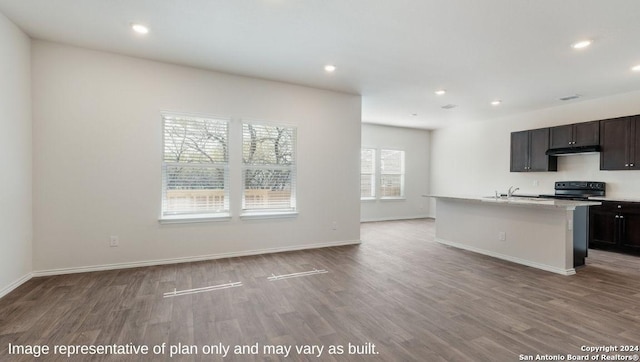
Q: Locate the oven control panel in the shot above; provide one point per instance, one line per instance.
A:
(580, 185)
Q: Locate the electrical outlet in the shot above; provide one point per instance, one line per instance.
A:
(502, 236)
(535, 183)
(114, 241)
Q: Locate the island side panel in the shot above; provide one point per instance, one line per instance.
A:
(580, 235)
(535, 236)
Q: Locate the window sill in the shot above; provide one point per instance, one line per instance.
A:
(393, 199)
(185, 219)
(269, 215)
(368, 199)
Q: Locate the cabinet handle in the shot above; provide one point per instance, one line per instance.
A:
(626, 165)
(619, 206)
(622, 216)
(631, 164)
(617, 216)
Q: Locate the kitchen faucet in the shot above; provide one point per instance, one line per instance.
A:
(512, 191)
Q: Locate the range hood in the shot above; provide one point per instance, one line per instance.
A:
(572, 150)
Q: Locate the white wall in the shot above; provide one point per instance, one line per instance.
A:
(15, 156)
(415, 143)
(97, 159)
(473, 158)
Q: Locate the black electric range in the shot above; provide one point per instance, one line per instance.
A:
(578, 190)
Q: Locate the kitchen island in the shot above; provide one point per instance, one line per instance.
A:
(547, 234)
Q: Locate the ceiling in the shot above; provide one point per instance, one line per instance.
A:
(395, 53)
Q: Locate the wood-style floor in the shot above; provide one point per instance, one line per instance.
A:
(415, 299)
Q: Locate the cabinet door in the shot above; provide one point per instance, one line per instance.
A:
(586, 134)
(613, 140)
(630, 230)
(561, 136)
(538, 146)
(603, 226)
(634, 143)
(629, 220)
(519, 151)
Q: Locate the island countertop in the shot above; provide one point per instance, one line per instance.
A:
(522, 201)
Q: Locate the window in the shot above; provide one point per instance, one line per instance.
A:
(367, 173)
(195, 167)
(381, 177)
(391, 173)
(269, 168)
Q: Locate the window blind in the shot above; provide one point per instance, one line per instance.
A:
(367, 173)
(269, 168)
(195, 171)
(391, 173)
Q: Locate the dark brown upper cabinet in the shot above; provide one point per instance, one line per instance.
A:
(620, 143)
(575, 135)
(528, 151)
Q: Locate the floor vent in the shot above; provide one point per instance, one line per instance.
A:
(176, 293)
(295, 275)
(568, 98)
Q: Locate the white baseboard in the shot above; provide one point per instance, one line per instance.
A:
(508, 258)
(395, 218)
(9, 288)
(189, 259)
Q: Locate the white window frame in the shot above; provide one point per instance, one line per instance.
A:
(378, 175)
(291, 209)
(168, 216)
(401, 173)
(373, 175)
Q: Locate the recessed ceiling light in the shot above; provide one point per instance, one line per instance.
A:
(497, 102)
(330, 68)
(636, 68)
(581, 44)
(139, 28)
(441, 92)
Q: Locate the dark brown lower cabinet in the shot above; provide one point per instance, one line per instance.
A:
(602, 226)
(630, 230)
(615, 226)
